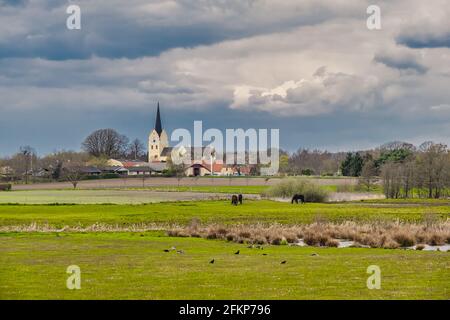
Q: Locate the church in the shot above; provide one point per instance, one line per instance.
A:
(159, 153)
(158, 142)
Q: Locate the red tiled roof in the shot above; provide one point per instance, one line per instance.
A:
(217, 167)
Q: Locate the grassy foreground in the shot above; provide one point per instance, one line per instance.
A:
(216, 212)
(134, 266)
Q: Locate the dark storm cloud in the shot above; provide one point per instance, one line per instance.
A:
(401, 63)
(13, 3)
(113, 30)
(116, 43)
(417, 41)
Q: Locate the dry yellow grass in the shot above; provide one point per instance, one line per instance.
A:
(376, 234)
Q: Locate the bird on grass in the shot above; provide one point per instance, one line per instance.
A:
(180, 251)
(166, 250)
(212, 261)
(237, 252)
(173, 248)
(283, 262)
(314, 254)
(264, 254)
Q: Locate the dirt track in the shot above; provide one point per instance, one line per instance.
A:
(159, 181)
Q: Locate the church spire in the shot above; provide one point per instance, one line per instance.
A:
(158, 126)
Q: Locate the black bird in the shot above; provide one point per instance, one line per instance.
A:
(264, 254)
(165, 250)
(314, 254)
(283, 262)
(212, 261)
(237, 252)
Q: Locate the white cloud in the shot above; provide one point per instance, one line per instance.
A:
(306, 58)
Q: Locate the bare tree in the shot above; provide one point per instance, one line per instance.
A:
(316, 161)
(105, 143)
(368, 175)
(27, 153)
(391, 180)
(136, 149)
(180, 172)
(73, 172)
(432, 162)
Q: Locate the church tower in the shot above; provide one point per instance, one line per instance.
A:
(157, 140)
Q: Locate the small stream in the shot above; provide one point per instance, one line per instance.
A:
(349, 243)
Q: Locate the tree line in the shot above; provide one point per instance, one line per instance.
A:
(403, 170)
(96, 149)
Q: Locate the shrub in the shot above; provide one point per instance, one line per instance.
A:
(5, 187)
(211, 235)
(110, 175)
(245, 234)
(316, 239)
(307, 172)
(276, 241)
(230, 237)
(404, 239)
(390, 244)
(436, 240)
(332, 243)
(288, 187)
(222, 231)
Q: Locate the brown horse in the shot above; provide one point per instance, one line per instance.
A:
(298, 197)
(234, 200)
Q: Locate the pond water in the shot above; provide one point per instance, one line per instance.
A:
(349, 243)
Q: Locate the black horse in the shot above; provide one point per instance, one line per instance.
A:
(298, 197)
(234, 200)
(240, 198)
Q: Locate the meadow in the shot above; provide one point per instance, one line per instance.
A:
(134, 266)
(181, 213)
(119, 260)
(132, 195)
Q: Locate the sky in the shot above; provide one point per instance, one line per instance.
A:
(310, 68)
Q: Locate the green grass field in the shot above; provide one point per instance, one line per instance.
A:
(119, 265)
(125, 195)
(134, 266)
(263, 211)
